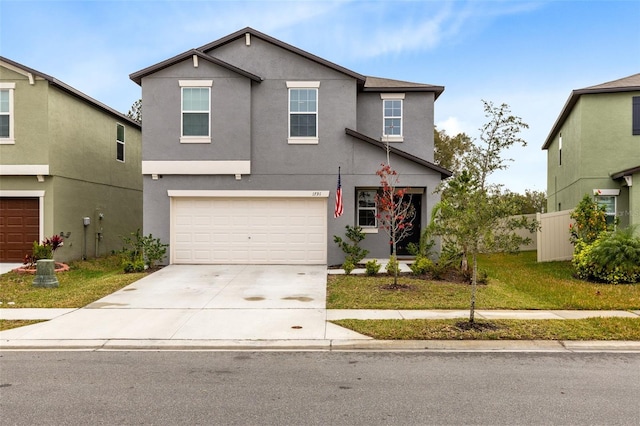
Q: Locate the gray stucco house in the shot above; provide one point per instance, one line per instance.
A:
(242, 141)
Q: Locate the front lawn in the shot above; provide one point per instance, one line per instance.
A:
(85, 282)
(516, 281)
(456, 329)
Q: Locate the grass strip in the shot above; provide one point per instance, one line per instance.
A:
(85, 282)
(8, 324)
(457, 329)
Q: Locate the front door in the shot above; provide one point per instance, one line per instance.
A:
(416, 200)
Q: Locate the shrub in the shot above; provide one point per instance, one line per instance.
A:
(130, 266)
(421, 266)
(393, 266)
(372, 267)
(612, 258)
(144, 250)
(590, 221)
(353, 252)
(348, 266)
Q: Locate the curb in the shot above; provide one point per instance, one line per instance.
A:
(482, 346)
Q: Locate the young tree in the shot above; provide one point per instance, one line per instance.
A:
(394, 215)
(473, 215)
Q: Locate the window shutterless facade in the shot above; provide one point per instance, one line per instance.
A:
(303, 112)
(6, 113)
(195, 111)
(366, 203)
(120, 142)
(392, 105)
(609, 203)
(636, 115)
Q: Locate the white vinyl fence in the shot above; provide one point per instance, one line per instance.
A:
(553, 236)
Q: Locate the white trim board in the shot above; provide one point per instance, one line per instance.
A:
(246, 194)
(24, 169)
(196, 167)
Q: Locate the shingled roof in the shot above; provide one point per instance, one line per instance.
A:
(626, 84)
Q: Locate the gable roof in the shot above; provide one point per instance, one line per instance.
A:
(70, 90)
(248, 30)
(138, 75)
(626, 84)
(372, 84)
(444, 173)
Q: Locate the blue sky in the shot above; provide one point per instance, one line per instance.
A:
(528, 54)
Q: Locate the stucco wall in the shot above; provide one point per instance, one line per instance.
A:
(276, 164)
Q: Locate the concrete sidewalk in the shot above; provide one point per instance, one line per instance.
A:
(315, 334)
(247, 307)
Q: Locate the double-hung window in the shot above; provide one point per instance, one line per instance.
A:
(303, 112)
(367, 209)
(196, 111)
(120, 142)
(636, 115)
(392, 104)
(6, 113)
(609, 204)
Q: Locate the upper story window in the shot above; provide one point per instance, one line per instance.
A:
(392, 105)
(303, 112)
(636, 115)
(196, 111)
(6, 113)
(367, 209)
(120, 142)
(560, 150)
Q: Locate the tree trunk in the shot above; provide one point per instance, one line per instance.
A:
(474, 280)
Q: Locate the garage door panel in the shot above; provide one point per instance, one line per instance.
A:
(19, 227)
(252, 230)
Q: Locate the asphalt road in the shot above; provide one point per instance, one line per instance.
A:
(327, 388)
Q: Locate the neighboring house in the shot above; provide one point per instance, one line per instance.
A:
(64, 157)
(594, 148)
(242, 142)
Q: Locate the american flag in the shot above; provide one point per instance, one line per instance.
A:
(337, 212)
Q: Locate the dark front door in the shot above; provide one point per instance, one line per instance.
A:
(19, 227)
(416, 200)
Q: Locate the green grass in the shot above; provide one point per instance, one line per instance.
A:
(7, 324)
(84, 283)
(583, 329)
(515, 282)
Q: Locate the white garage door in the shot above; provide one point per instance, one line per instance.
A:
(249, 230)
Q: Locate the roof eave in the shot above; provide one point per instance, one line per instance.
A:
(74, 92)
(627, 172)
(444, 173)
(139, 75)
(241, 33)
(571, 102)
(437, 90)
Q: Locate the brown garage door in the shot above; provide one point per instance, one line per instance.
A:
(19, 227)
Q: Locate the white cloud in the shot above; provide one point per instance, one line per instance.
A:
(452, 126)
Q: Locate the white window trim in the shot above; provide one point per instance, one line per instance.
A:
(11, 139)
(395, 97)
(195, 83)
(300, 140)
(367, 229)
(118, 142)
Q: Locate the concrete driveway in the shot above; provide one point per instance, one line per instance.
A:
(193, 303)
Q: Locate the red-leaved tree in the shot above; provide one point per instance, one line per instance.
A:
(395, 215)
